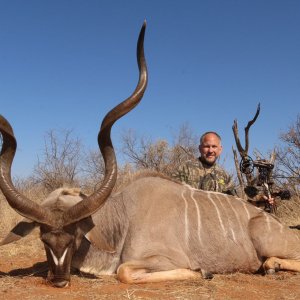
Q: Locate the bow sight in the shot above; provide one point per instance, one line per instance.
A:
(259, 185)
(263, 179)
(263, 166)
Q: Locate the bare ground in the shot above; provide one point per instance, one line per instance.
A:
(23, 270)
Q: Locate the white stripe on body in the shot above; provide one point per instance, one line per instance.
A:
(224, 209)
(198, 214)
(218, 213)
(237, 215)
(247, 211)
(186, 221)
(268, 221)
(281, 228)
(242, 228)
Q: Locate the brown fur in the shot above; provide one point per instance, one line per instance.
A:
(156, 229)
(130, 178)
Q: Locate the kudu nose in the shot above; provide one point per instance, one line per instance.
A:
(57, 282)
(60, 284)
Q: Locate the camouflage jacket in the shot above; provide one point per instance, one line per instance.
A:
(207, 178)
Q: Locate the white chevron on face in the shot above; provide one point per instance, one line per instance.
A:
(59, 261)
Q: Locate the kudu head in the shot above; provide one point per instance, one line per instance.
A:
(62, 227)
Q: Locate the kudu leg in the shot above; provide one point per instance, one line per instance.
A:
(135, 272)
(273, 264)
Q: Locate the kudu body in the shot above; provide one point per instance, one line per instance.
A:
(153, 229)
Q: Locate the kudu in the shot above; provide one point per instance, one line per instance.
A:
(154, 229)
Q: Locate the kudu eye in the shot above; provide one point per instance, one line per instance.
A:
(46, 242)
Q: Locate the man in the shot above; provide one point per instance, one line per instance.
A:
(204, 173)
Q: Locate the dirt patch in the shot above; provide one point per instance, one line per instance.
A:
(23, 270)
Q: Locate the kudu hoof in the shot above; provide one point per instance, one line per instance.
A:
(273, 270)
(206, 274)
(270, 271)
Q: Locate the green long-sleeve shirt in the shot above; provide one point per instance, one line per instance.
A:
(204, 177)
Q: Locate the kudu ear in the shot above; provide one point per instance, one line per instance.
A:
(22, 229)
(99, 242)
(94, 236)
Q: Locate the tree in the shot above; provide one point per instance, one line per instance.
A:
(144, 153)
(93, 169)
(60, 163)
(288, 155)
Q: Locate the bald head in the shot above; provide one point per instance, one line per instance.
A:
(210, 147)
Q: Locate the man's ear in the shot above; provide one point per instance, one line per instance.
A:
(221, 149)
(22, 229)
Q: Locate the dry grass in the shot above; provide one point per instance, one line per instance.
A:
(289, 211)
(9, 217)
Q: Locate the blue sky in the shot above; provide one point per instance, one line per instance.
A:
(64, 64)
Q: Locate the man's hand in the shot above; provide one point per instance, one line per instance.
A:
(270, 200)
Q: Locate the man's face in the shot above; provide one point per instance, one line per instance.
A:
(210, 148)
